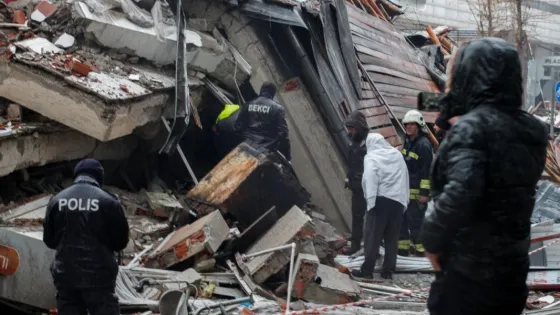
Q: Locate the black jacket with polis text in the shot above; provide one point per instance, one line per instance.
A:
(418, 155)
(263, 122)
(86, 226)
(485, 173)
(357, 150)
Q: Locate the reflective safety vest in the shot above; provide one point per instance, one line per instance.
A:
(228, 110)
(418, 156)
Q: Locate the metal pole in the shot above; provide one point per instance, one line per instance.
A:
(166, 124)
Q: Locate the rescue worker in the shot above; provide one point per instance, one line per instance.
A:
(262, 122)
(226, 138)
(385, 186)
(477, 235)
(86, 226)
(418, 154)
(357, 132)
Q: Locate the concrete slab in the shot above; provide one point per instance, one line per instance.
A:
(294, 226)
(205, 234)
(49, 95)
(331, 287)
(37, 149)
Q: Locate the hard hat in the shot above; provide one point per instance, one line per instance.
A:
(414, 116)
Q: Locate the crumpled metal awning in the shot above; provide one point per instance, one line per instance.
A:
(272, 12)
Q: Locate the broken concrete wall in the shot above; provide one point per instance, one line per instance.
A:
(51, 96)
(314, 155)
(294, 226)
(39, 149)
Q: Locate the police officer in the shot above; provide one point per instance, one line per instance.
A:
(226, 138)
(86, 226)
(262, 122)
(418, 155)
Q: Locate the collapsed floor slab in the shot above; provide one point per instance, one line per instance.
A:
(101, 112)
(39, 149)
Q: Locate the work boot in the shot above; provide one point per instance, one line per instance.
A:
(359, 275)
(387, 275)
(403, 252)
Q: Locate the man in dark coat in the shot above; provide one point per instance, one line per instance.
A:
(86, 226)
(262, 122)
(484, 177)
(357, 132)
(226, 138)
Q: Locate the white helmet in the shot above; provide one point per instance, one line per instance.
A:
(414, 116)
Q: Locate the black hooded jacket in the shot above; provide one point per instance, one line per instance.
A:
(263, 122)
(357, 149)
(486, 170)
(86, 226)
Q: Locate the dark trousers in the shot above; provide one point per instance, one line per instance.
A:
(383, 223)
(455, 294)
(359, 206)
(412, 221)
(82, 302)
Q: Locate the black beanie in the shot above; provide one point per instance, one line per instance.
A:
(90, 167)
(268, 90)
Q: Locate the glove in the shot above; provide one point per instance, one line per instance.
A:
(346, 183)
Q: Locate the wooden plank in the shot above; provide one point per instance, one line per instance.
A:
(393, 54)
(373, 22)
(379, 120)
(373, 111)
(390, 89)
(394, 63)
(372, 35)
(369, 103)
(387, 79)
(401, 101)
(386, 131)
(394, 73)
(397, 90)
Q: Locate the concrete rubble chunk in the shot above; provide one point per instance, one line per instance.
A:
(305, 271)
(205, 234)
(65, 41)
(230, 186)
(38, 45)
(331, 287)
(162, 204)
(294, 226)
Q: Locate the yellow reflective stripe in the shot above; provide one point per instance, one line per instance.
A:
(425, 184)
(227, 111)
(404, 244)
(403, 151)
(413, 155)
(414, 194)
(419, 248)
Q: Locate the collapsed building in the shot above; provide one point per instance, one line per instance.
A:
(97, 79)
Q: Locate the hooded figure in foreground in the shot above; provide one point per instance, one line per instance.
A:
(357, 132)
(484, 178)
(386, 190)
(86, 226)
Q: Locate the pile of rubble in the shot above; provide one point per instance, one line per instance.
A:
(245, 237)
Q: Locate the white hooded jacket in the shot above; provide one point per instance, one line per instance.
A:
(385, 172)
